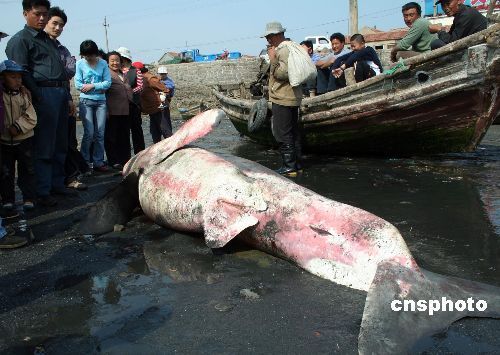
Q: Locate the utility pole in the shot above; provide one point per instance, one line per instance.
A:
(106, 25)
(353, 17)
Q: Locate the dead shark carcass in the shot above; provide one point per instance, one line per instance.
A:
(226, 197)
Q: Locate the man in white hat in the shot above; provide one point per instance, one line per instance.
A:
(285, 101)
(134, 77)
(166, 122)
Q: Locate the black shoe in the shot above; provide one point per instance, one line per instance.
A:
(9, 215)
(47, 201)
(63, 191)
(285, 171)
(22, 229)
(12, 241)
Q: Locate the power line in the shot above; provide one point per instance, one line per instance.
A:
(246, 38)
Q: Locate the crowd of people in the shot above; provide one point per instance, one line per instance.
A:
(421, 37)
(38, 116)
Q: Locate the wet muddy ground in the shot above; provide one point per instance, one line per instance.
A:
(150, 290)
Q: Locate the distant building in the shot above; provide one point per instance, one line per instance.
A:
(382, 39)
(169, 58)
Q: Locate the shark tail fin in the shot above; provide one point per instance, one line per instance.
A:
(389, 331)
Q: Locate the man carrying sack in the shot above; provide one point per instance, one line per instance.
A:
(285, 101)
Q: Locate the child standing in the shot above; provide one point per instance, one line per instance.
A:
(16, 138)
(92, 79)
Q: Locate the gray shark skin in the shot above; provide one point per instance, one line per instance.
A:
(225, 197)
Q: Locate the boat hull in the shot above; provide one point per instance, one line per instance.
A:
(448, 109)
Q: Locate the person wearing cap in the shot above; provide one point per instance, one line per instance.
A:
(466, 22)
(46, 78)
(418, 39)
(16, 139)
(9, 237)
(151, 103)
(285, 101)
(134, 77)
(166, 98)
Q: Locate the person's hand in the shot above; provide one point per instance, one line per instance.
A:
(72, 108)
(87, 87)
(13, 131)
(271, 52)
(435, 28)
(337, 72)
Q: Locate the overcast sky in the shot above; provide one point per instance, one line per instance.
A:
(151, 27)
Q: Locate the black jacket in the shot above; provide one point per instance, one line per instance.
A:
(467, 21)
(132, 79)
(366, 54)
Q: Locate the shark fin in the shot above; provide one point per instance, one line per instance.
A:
(225, 222)
(115, 207)
(384, 330)
(196, 128)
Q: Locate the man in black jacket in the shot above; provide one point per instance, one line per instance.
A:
(466, 22)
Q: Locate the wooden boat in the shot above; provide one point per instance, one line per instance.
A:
(190, 112)
(440, 101)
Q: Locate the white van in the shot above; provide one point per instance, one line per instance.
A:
(319, 42)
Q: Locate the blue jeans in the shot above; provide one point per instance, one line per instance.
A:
(3, 232)
(93, 116)
(51, 138)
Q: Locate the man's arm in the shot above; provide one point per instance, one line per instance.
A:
(18, 51)
(327, 62)
(279, 64)
(156, 84)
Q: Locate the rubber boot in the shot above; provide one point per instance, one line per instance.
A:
(289, 167)
(298, 156)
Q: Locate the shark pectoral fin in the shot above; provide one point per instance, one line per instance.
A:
(398, 307)
(225, 222)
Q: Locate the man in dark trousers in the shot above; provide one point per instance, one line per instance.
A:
(286, 101)
(46, 78)
(466, 22)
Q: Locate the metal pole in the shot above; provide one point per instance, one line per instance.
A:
(353, 14)
(106, 25)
